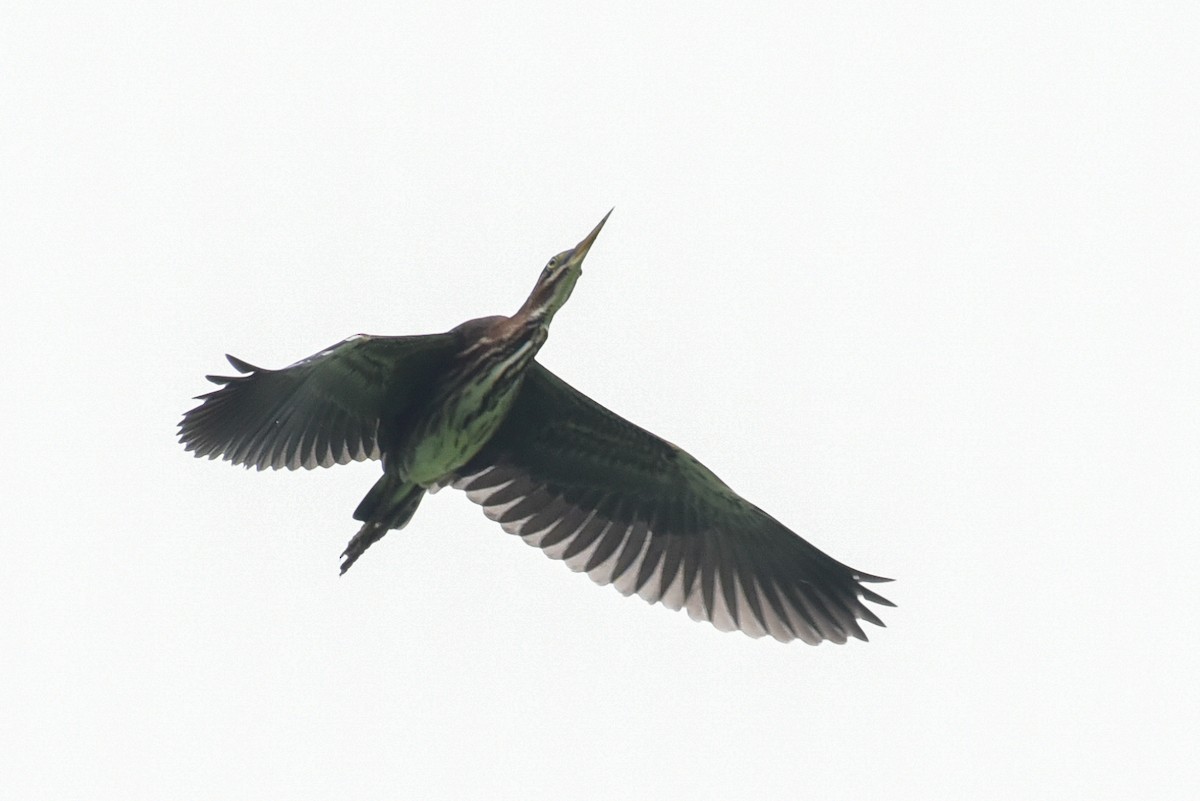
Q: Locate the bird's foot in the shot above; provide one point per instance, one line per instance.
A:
(367, 536)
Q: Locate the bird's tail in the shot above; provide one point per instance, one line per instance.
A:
(389, 504)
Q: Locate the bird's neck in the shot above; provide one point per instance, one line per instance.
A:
(547, 297)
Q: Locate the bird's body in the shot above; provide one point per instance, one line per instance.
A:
(471, 408)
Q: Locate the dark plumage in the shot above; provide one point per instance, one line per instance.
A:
(471, 409)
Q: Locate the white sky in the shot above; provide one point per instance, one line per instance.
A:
(921, 282)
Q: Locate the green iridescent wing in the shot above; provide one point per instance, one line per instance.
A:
(323, 410)
(632, 510)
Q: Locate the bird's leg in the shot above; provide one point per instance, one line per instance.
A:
(390, 504)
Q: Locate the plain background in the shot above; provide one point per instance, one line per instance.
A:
(921, 280)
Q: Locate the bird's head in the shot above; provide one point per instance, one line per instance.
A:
(558, 278)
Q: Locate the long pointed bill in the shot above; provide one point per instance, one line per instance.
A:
(581, 250)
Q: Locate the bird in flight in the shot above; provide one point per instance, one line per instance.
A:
(472, 409)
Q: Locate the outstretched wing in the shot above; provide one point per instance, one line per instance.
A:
(323, 410)
(632, 510)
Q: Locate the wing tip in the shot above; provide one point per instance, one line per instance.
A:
(874, 597)
(241, 365)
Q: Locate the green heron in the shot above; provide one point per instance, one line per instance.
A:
(472, 409)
